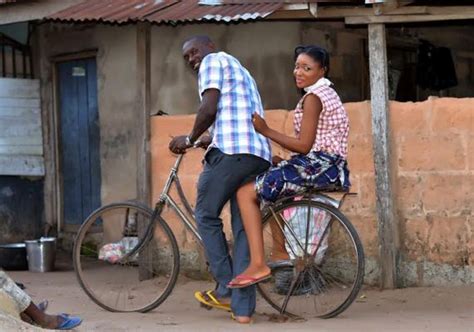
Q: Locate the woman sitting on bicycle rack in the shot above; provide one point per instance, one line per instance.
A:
(320, 149)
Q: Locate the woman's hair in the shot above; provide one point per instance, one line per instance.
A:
(317, 53)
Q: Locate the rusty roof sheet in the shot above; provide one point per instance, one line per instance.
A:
(113, 11)
(164, 11)
(188, 11)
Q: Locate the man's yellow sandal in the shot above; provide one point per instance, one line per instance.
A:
(209, 300)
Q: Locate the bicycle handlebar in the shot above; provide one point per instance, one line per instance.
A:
(181, 155)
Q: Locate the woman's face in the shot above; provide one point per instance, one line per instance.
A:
(307, 71)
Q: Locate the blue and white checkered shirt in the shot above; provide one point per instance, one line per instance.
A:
(233, 131)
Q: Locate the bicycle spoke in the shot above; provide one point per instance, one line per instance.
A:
(307, 230)
(323, 282)
(282, 230)
(325, 232)
(290, 291)
(290, 229)
(315, 298)
(114, 280)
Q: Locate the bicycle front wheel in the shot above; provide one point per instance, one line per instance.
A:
(316, 258)
(116, 269)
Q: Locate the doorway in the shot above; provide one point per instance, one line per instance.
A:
(79, 136)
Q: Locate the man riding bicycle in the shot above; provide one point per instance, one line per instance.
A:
(235, 156)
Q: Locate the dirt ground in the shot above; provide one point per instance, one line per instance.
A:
(411, 309)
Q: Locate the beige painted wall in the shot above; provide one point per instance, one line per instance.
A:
(116, 74)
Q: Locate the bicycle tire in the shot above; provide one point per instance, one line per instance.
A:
(160, 222)
(358, 282)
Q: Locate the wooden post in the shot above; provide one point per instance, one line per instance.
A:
(143, 115)
(143, 136)
(386, 210)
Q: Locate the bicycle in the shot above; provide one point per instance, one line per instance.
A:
(126, 257)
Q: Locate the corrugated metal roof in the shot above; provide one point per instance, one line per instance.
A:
(193, 11)
(113, 11)
(163, 11)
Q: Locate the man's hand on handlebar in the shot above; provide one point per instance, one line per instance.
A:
(203, 142)
(178, 144)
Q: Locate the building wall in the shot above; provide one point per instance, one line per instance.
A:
(173, 84)
(116, 74)
(433, 154)
(266, 49)
(21, 209)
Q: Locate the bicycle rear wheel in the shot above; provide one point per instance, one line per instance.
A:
(316, 257)
(108, 271)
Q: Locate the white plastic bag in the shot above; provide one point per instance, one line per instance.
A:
(113, 252)
(297, 220)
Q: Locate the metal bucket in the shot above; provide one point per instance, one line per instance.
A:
(41, 254)
(13, 256)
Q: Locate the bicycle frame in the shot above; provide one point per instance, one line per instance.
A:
(188, 220)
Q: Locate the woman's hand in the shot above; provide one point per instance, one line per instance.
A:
(276, 160)
(259, 124)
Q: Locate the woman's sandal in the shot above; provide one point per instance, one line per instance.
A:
(209, 300)
(237, 281)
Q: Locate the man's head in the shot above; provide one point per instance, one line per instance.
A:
(195, 49)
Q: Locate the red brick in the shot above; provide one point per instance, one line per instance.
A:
(367, 230)
(440, 193)
(448, 240)
(409, 117)
(470, 151)
(175, 224)
(470, 239)
(367, 194)
(164, 127)
(360, 154)
(453, 115)
(431, 153)
(191, 163)
(351, 203)
(409, 189)
(359, 118)
(276, 119)
(447, 194)
(415, 237)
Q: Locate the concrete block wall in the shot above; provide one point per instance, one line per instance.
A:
(434, 149)
(433, 155)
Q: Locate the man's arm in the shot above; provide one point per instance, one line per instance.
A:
(205, 117)
(206, 114)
